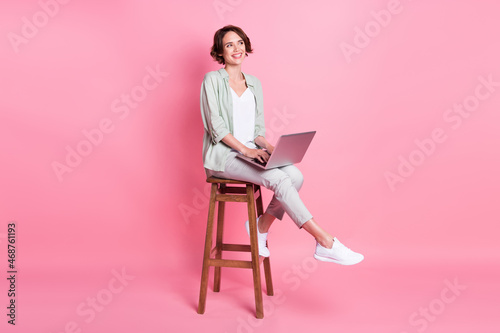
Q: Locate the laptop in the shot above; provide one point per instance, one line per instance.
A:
(290, 149)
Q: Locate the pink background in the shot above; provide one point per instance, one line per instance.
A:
(136, 203)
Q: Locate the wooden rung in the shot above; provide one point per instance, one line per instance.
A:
(229, 263)
(240, 190)
(236, 247)
(231, 198)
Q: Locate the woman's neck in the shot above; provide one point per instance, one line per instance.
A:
(234, 72)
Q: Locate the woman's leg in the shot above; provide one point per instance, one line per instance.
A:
(286, 198)
(275, 209)
(322, 237)
(265, 222)
(285, 193)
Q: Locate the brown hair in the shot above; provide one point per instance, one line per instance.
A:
(218, 46)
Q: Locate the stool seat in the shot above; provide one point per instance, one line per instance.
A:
(230, 190)
(215, 180)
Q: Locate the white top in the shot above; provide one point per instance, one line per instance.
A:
(244, 117)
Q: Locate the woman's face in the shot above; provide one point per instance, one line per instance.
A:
(233, 48)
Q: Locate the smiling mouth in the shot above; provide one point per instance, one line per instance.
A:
(237, 55)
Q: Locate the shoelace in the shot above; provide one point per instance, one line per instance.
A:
(343, 248)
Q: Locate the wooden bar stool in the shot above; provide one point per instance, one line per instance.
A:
(228, 190)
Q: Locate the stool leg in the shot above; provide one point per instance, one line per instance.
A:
(255, 253)
(218, 243)
(206, 255)
(267, 262)
(269, 280)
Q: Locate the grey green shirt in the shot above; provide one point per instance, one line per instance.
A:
(216, 105)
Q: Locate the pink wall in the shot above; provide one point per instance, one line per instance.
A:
(372, 77)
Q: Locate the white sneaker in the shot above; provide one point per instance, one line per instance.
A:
(338, 254)
(262, 239)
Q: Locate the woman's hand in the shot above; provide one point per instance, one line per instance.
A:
(262, 142)
(258, 154)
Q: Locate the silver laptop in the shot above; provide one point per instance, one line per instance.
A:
(290, 149)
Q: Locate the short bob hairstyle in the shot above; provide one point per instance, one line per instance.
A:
(218, 47)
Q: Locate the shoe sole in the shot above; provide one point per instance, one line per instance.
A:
(345, 263)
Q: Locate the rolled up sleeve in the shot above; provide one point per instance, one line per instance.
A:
(212, 120)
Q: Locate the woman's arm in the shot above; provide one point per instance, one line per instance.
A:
(232, 142)
(213, 121)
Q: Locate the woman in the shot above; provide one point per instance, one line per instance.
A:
(233, 116)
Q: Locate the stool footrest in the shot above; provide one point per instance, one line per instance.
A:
(229, 263)
(231, 198)
(231, 247)
(236, 247)
(237, 190)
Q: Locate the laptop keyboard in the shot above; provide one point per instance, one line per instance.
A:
(259, 162)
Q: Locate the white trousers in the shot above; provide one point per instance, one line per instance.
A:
(285, 182)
